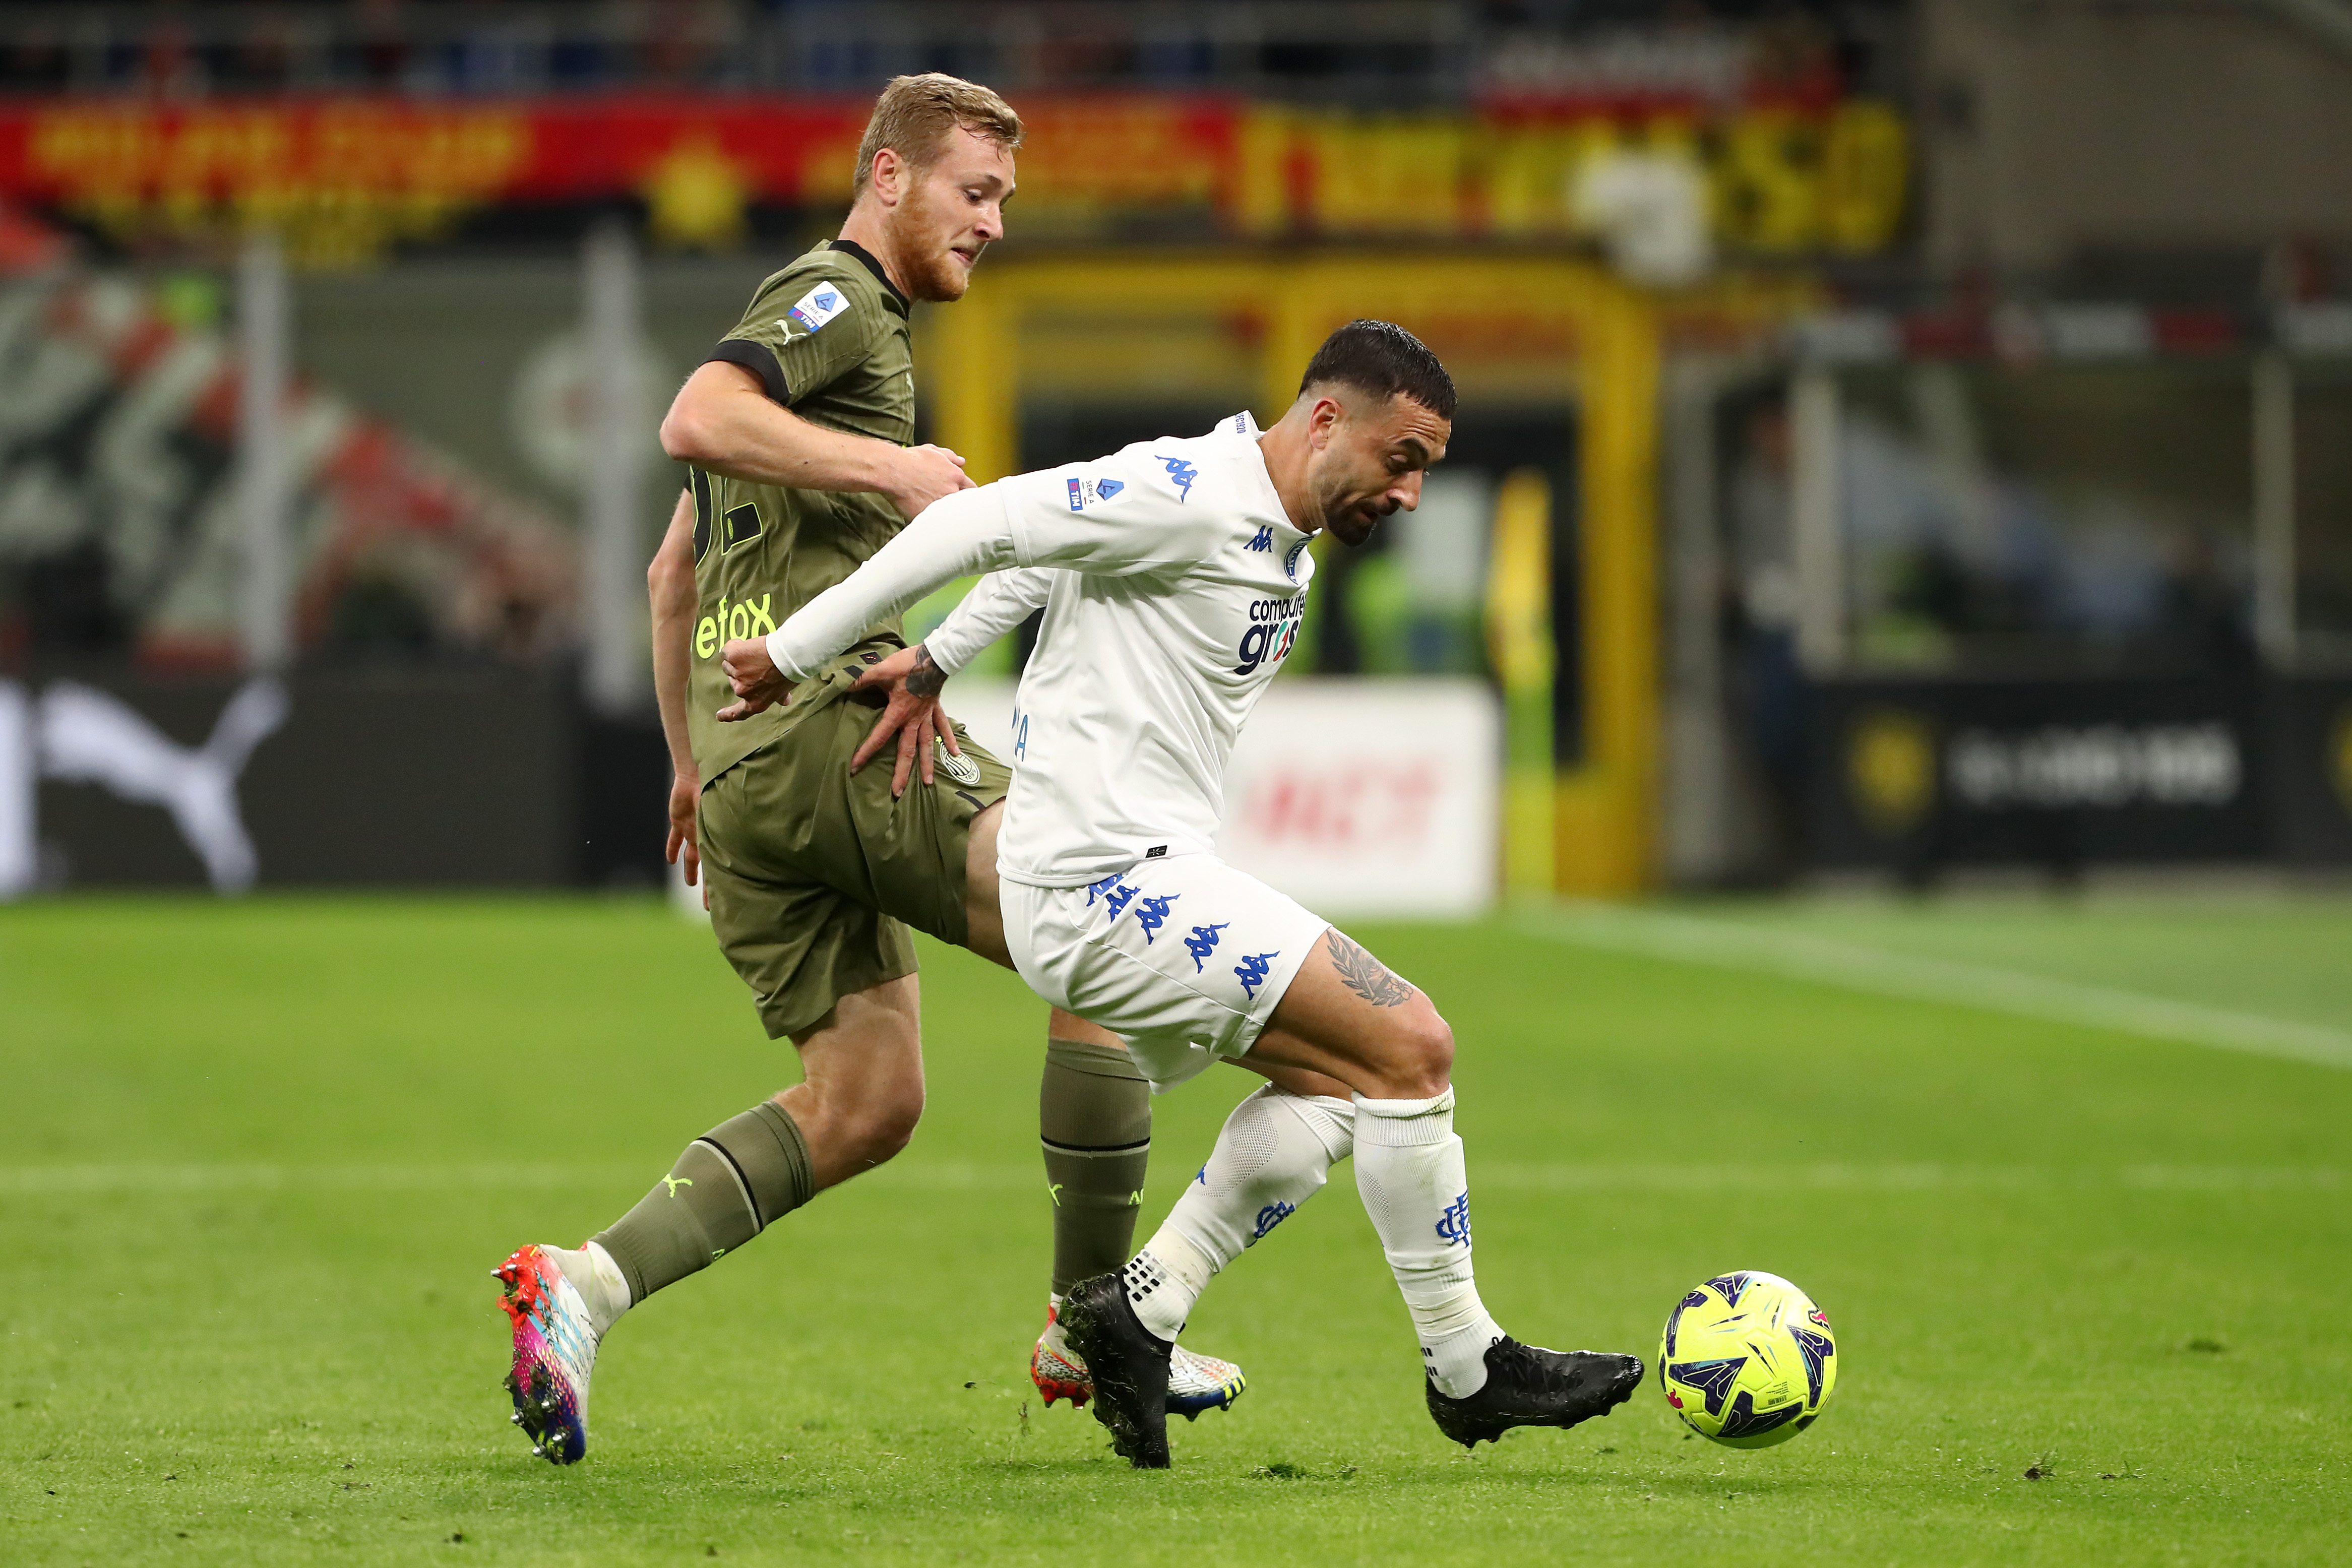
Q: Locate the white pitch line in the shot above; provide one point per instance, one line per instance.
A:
(197, 1181)
(1799, 956)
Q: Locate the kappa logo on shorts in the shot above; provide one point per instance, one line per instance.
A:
(1203, 942)
(1152, 914)
(1114, 894)
(1252, 970)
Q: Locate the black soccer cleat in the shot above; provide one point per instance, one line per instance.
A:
(1130, 1364)
(1527, 1385)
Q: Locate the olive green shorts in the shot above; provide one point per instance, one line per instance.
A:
(814, 873)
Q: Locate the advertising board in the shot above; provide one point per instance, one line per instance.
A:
(1921, 773)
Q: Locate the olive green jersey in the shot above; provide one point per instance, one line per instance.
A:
(828, 338)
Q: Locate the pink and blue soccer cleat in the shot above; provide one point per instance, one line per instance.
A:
(555, 1351)
(1195, 1383)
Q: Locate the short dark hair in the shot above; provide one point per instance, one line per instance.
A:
(1383, 359)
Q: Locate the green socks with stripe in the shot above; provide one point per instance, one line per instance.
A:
(730, 1185)
(1093, 1117)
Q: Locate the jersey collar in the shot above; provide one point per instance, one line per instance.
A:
(858, 253)
(1269, 499)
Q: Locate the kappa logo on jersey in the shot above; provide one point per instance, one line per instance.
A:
(1085, 493)
(1454, 1225)
(1274, 627)
(1182, 474)
(1152, 914)
(818, 306)
(1203, 942)
(1260, 541)
(1252, 970)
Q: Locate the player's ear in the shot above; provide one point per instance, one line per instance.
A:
(888, 175)
(1325, 417)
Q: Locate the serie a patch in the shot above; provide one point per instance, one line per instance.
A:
(818, 306)
(1085, 493)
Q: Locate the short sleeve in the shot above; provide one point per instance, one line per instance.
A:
(1133, 511)
(800, 335)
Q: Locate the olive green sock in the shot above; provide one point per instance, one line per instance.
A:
(731, 1183)
(1093, 1117)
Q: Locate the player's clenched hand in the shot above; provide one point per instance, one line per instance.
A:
(684, 850)
(913, 713)
(921, 474)
(758, 684)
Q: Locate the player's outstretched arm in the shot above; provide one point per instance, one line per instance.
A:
(957, 536)
(1146, 527)
(723, 421)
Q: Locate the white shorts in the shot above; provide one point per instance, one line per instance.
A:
(1184, 958)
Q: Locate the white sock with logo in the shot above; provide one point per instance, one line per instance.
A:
(1273, 1153)
(602, 1287)
(1410, 1171)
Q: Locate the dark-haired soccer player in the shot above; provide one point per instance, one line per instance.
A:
(797, 431)
(1172, 575)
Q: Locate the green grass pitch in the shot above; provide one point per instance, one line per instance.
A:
(257, 1161)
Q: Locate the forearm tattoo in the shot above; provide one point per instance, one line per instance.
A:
(926, 679)
(1365, 975)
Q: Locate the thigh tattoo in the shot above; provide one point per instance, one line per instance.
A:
(1365, 975)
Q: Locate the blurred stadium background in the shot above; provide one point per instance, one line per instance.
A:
(1899, 437)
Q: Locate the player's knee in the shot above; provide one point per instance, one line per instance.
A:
(877, 1132)
(1425, 1054)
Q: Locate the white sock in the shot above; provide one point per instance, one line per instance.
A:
(1409, 1169)
(1273, 1153)
(599, 1281)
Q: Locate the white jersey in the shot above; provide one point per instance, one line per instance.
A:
(1176, 591)
(1174, 585)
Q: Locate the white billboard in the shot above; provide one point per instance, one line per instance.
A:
(1355, 797)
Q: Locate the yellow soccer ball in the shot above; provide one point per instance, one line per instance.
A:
(1747, 1360)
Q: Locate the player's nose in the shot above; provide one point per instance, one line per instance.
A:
(1406, 493)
